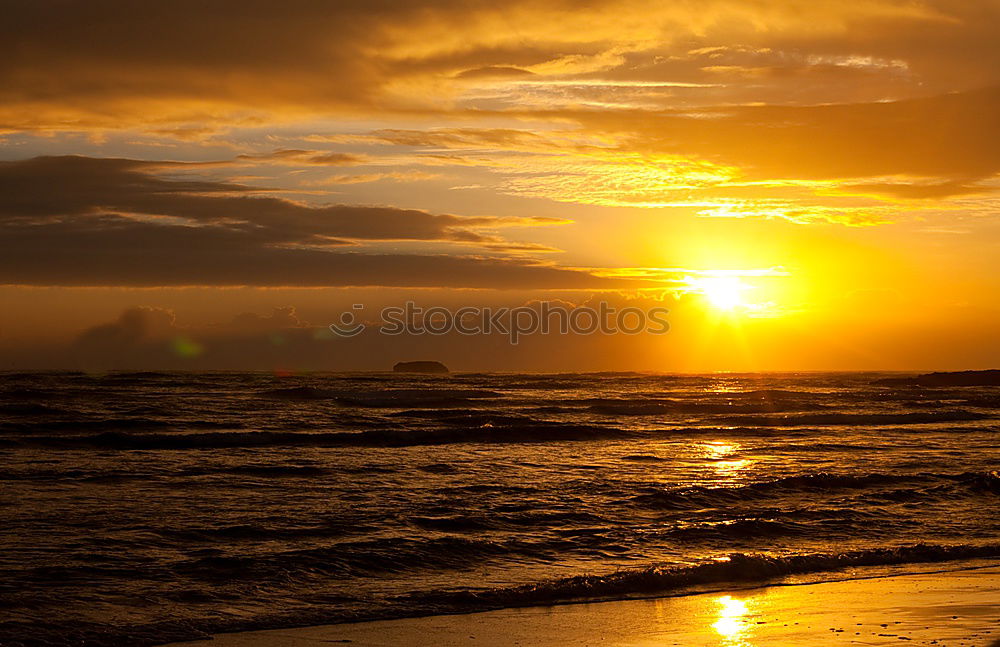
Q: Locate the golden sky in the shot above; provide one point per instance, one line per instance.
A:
(805, 184)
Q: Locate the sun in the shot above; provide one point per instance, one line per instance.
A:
(722, 292)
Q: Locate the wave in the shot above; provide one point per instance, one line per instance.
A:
(27, 394)
(738, 568)
(267, 471)
(378, 557)
(260, 532)
(658, 406)
(299, 393)
(495, 521)
(375, 557)
(97, 476)
(813, 447)
(824, 419)
(31, 409)
(484, 429)
(706, 497)
(117, 424)
(472, 419)
(142, 375)
(984, 481)
(746, 531)
(438, 468)
(254, 472)
(368, 438)
(777, 394)
(493, 488)
(384, 398)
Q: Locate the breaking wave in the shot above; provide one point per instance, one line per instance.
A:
(703, 497)
(739, 568)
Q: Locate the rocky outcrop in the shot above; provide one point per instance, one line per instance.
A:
(420, 367)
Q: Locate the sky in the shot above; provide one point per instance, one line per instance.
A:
(804, 185)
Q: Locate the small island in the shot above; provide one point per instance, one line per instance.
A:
(420, 367)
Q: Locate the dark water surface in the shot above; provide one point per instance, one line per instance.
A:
(147, 507)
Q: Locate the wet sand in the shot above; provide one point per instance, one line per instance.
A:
(946, 609)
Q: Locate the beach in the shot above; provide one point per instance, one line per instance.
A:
(950, 608)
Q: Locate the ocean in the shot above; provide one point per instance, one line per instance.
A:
(143, 508)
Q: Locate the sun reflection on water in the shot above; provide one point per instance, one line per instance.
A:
(723, 457)
(718, 449)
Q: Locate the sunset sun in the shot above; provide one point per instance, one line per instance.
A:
(725, 293)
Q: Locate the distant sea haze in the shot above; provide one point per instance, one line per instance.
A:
(143, 508)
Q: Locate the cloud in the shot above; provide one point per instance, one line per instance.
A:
(106, 63)
(461, 138)
(251, 322)
(364, 178)
(146, 324)
(79, 221)
(174, 256)
(852, 163)
(848, 163)
(305, 157)
(494, 72)
(125, 197)
(145, 338)
(133, 326)
(917, 189)
(953, 135)
(675, 104)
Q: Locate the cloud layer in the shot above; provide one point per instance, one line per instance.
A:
(82, 221)
(115, 60)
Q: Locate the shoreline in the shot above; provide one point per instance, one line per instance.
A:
(942, 608)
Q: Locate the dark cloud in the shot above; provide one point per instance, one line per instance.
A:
(82, 221)
(152, 338)
(280, 318)
(121, 194)
(66, 63)
(134, 326)
(166, 256)
(494, 72)
(107, 60)
(57, 50)
(116, 192)
(152, 327)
